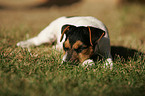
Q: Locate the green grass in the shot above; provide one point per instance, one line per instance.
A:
(38, 71)
(29, 74)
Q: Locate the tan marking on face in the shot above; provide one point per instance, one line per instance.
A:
(67, 44)
(85, 54)
(77, 44)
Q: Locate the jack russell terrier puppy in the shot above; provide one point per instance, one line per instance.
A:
(81, 38)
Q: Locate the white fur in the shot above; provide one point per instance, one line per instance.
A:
(88, 63)
(53, 32)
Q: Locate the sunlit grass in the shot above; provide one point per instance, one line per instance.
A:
(38, 71)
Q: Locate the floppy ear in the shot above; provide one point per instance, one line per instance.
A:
(95, 34)
(64, 30)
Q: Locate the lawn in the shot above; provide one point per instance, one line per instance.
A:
(38, 71)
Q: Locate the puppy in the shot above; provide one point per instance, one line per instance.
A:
(81, 38)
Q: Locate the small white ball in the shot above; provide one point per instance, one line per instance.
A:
(88, 63)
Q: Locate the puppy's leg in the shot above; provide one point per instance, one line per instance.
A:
(108, 62)
(105, 50)
(45, 36)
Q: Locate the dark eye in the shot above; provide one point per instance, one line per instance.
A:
(79, 50)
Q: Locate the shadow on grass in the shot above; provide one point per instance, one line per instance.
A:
(3, 7)
(126, 53)
(58, 3)
(132, 1)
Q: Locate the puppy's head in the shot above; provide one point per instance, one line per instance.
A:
(80, 42)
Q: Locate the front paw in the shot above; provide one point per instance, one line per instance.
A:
(108, 63)
(88, 63)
